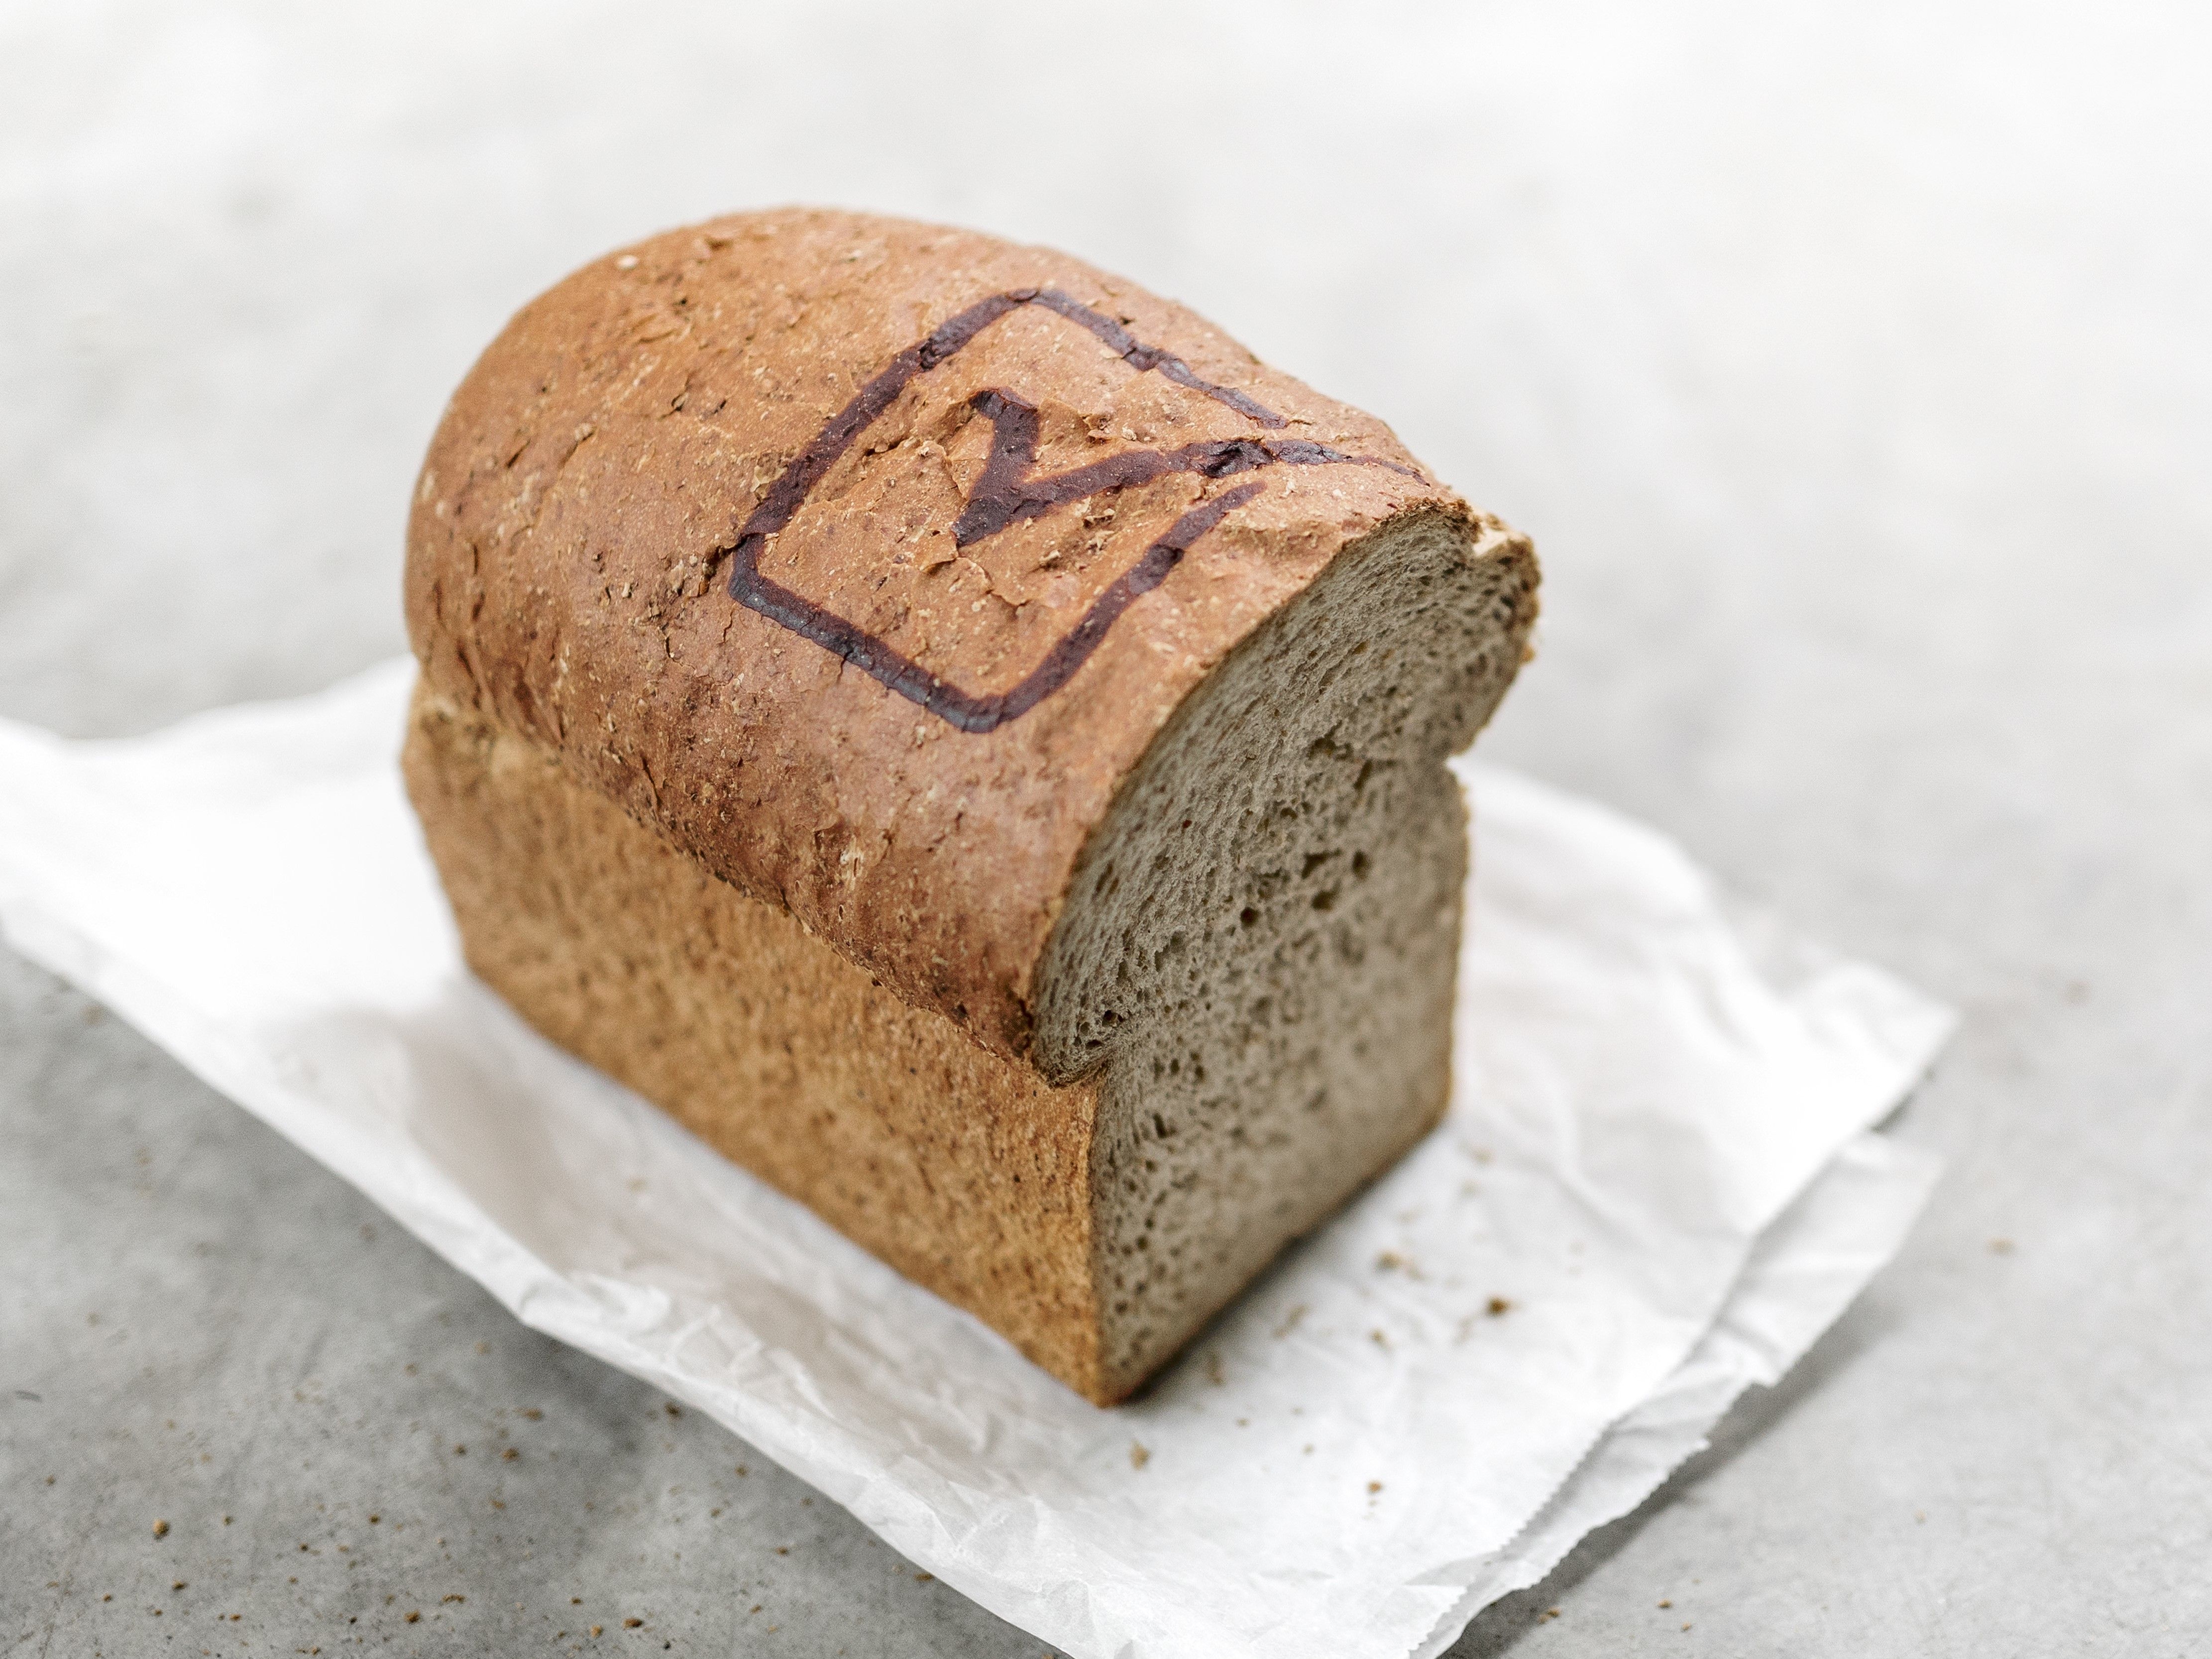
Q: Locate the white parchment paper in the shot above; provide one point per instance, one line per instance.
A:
(1656, 1186)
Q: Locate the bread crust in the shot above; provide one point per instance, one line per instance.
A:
(862, 560)
(965, 1171)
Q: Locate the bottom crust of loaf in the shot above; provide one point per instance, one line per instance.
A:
(967, 1172)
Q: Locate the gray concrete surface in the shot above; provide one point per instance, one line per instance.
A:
(1851, 367)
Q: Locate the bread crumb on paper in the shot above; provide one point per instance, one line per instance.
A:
(1138, 1454)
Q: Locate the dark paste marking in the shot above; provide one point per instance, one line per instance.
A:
(1009, 493)
(963, 710)
(1141, 357)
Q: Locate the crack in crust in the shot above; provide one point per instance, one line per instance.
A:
(1010, 492)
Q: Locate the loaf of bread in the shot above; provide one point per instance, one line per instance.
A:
(967, 738)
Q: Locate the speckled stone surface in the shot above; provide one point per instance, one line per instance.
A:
(1853, 376)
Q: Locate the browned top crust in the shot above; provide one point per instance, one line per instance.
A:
(863, 559)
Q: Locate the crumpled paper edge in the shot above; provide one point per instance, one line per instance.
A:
(1823, 1251)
